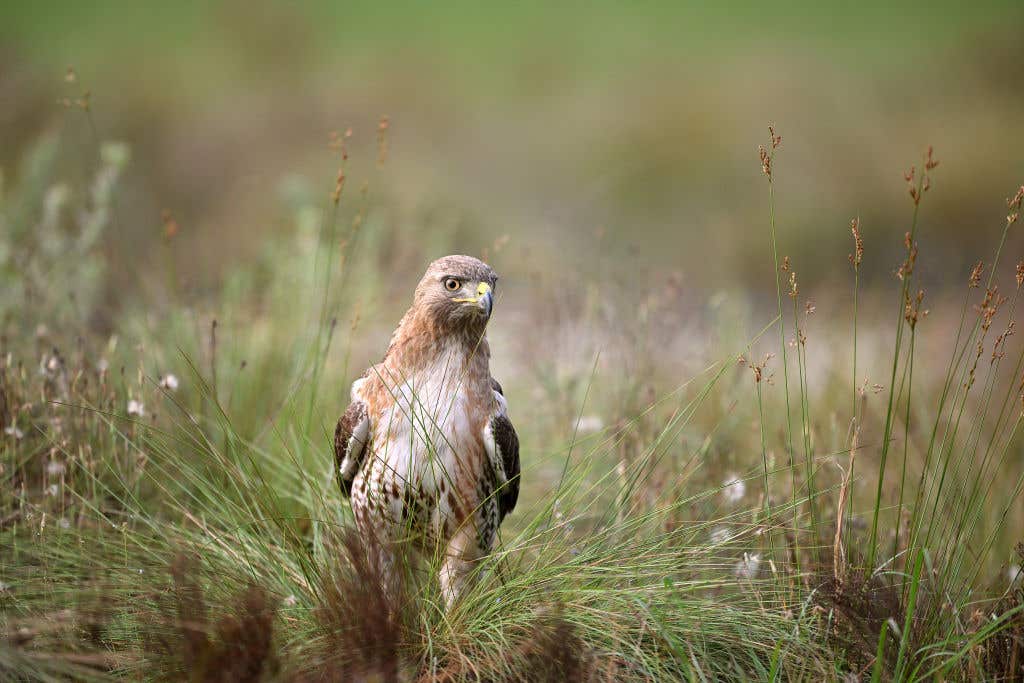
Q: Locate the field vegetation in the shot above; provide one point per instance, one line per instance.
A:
(766, 379)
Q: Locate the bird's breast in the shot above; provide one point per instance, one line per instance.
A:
(427, 442)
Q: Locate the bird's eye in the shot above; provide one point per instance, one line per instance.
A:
(452, 285)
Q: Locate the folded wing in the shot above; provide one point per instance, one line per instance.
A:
(350, 444)
(502, 445)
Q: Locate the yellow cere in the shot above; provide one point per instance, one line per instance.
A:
(481, 289)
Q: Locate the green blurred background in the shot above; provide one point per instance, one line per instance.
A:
(601, 135)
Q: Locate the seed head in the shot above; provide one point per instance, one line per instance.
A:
(766, 161)
(990, 306)
(912, 309)
(929, 162)
(1014, 203)
(858, 244)
(785, 264)
(976, 272)
(171, 226)
(759, 369)
(907, 268)
(1020, 274)
(999, 348)
(339, 185)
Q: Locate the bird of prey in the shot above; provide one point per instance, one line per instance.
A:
(426, 451)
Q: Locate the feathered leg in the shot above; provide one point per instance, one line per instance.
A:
(457, 566)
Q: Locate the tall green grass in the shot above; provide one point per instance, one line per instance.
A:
(203, 536)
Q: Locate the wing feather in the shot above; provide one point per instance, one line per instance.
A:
(507, 442)
(502, 444)
(350, 444)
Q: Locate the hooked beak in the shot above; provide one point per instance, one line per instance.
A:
(484, 299)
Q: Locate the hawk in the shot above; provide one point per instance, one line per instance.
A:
(425, 450)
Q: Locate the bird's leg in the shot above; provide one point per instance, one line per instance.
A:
(457, 564)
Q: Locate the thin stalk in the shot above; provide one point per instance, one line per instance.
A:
(906, 438)
(805, 424)
(782, 326)
(764, 462)
(908, 620)
(887, 432)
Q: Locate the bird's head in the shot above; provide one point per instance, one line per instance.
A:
(457, 291)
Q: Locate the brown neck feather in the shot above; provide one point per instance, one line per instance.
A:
(420, 337)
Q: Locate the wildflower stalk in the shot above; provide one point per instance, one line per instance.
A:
(766, 166)
(328, 232)
(906, 439)
(954, 363)
(975, 501)
(1011, 501)
(953, 425)
(764, 463)
(855, 260)
(1014, 205)
(805, 411)
(915, 193)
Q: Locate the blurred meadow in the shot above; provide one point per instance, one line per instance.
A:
(751, 451)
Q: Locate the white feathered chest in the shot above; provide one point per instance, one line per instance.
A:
(427, 468)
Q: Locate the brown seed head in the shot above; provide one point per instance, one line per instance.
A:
(337, 142)
(912, 312)
(1014, 203)
(339, 185)
(907, 268)
(929, 162)
(785, 264)
(1020, 274)
(858, 244)
(758, 368)
(990, 306)
(976, 272)
(170, 224)
(766, 161)
(999, 348)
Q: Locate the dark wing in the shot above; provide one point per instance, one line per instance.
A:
(506, 444)
(350, 444)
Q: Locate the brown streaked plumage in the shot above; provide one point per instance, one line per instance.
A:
(426, 450)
